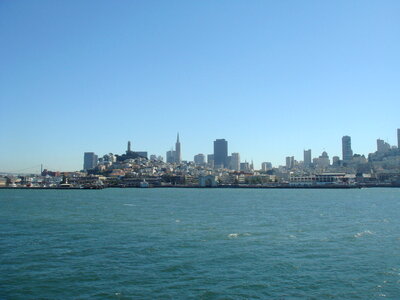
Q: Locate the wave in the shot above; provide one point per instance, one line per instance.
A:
(365, 232)
(236, 235)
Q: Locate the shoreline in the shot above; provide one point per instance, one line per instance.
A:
(214, 187)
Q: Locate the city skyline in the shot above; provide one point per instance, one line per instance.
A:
(271, 78)
(221, 158)
(309, 154)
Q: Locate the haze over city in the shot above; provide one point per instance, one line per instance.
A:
(272, 78)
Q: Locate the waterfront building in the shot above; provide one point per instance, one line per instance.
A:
(235, 161)
(199, 159)
(208, 181)
(220, 153)
(89, 160)
(307, 158)
(347, 152)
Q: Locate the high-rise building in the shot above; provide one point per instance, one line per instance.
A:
(289, 162)
(307, 158)
(89, 160)
(235, 161)
(210, 160)
(265, 166)
(220, 153)
(245, 167)
(171, 156)
(347, 153)
(382, 146)
(199, 159)
(398, 138)
(336, 161)
(178, 155)
(323, 161)
(175, 156)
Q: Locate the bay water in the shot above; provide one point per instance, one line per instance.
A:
(200, 244)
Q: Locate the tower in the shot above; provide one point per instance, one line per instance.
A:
(129, 147)
(307, 158)
(235, 161)
(398, 138)
(347, 153)
(178, 157)
(220, 153)
(89, 160)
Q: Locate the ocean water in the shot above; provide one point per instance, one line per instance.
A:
(200, 244)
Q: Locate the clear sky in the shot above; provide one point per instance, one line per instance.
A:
(271, 77)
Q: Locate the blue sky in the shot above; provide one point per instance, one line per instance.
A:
(271, 77)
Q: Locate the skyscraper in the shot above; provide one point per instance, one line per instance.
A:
(347, 153)
(235, 161)
(398, 138)
(307, 158)
(178, 156)
(199, 159)
(382, 146)
(170, 156)
(265, 166)
(289, 162)
(89, 160)
(210, 160)
(220, 153)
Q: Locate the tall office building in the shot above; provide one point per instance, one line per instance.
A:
(323, 161)
(265, 166)
(199, 159)
(210, 160)
(220, 153)
(289, 162)
(382, 146)
(398, 138)
(89, 160)
(245, 167)
(347, 153)
(307, 158)
(178, 155)
(170, 156)
(175, 156)
(336, 161)
(235, 162)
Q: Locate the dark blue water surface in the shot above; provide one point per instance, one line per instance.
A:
(200, 244)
